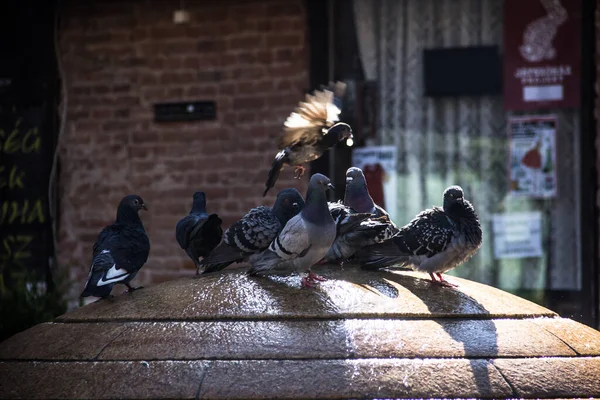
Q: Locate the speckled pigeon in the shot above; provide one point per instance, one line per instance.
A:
(120, 250)
(304, 240)
(310, 130)
(255, 231)
(435, 241)
(356, 230)
(198, 233)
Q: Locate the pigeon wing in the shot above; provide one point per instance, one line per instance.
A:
(187, 227)
(251, 234)
(317, 112)
(429, 233)
(293, 241)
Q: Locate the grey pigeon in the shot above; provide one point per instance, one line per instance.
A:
(351, 237)
(357, 195)
(198, 233)
(435, 241)
(305, 238)
(310, 131)
(120, 250)
(254, 231)
(356, 230)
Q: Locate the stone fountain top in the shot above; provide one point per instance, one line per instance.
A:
(359, 334)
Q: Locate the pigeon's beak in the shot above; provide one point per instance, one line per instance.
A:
(330, 186)
(349, 179)
(144, 207)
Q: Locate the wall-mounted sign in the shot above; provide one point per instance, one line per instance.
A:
(532, 156)
(541, 54)
(517, 235)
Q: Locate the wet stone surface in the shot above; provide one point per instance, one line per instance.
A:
(361, 334)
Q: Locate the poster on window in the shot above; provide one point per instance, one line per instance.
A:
(532, 156)
(517, 235)
(541, 54)
(378, 163)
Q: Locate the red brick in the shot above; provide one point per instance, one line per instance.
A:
(208, 45)
(285, 40)
(245, 42)
(249, 56)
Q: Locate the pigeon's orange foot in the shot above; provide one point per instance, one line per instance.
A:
(299, 171)
(441, 281)
(308, 283)
(314, 277)
(131, 288)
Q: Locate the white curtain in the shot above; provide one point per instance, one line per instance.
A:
(462, 140)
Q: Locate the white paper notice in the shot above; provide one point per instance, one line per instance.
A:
(532, 162)
(517, 235)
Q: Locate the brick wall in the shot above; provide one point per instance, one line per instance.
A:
(122, 57)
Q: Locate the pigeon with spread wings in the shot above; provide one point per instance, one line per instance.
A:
(310, 131)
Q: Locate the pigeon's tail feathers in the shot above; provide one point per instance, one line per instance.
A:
(263, 262)
(104, 274)
(381, 255)
(221, 257)
(276, 168)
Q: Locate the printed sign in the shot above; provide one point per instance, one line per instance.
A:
(541, 54)
(379, 166)
(517, 235)
(532, 156)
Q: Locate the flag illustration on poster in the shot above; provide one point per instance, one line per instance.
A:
(533, 156)
(379, 166)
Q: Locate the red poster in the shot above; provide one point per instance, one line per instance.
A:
(541, 54)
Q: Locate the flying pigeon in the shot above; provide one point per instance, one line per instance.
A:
(310, 130)
(198, 233)
(435, 241)
(255, 231)
(305, 238)
(120, 250)
(356, 230)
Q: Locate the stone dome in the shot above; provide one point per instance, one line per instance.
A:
(361, 334)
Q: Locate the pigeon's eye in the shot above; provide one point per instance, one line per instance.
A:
(136, 202)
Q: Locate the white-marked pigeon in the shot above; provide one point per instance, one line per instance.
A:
(255, 231)
(310, 130)
(435, 241)
(304, 240)
(120, 250)
(198, 233)
(356, 230)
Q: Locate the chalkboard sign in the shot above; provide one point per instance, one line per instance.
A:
(26, 151)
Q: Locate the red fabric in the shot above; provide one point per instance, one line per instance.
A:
(374, 175)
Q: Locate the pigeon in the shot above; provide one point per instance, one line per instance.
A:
(255, 231)
(435, 241)
(356, 230)
(199, 233)
(120, 250)
(304, 240)
(310, 130)
(377, 228)
(357, 195)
